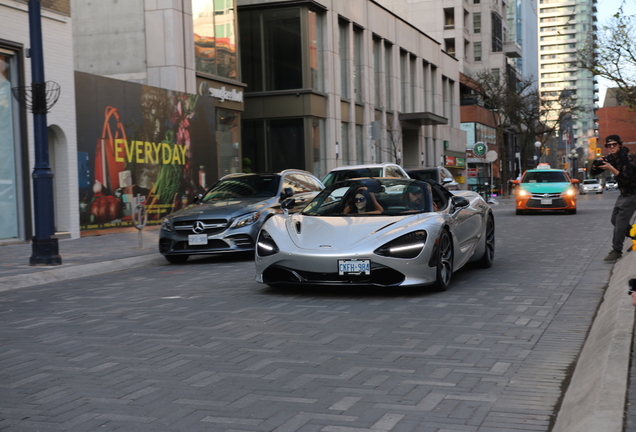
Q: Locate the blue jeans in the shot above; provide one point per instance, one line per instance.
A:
(622, 213)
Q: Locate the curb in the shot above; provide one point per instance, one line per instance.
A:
(65, 273)
(595, 398)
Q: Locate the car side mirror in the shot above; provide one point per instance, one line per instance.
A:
(447, 180)
(286, 193)
(515, 182)
(460, 201)
(288, 204)
(197, 199)
(576, 181)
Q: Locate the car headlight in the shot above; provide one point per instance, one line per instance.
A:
(406, 246)
(265, 245)
(166, 225)
(523, 193)
(570, 192)
(245, 220)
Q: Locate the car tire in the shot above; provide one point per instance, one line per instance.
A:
(176, 259)
(444, 270)
(488, 258)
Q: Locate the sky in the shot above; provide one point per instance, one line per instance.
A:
(607, 8)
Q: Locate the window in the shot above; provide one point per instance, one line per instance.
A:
(404, 82)
(377, 66)
(357, 62)
(477, 23)
(226, 136)
(343, 45)
(271, 46)
(344, 147)
(477, 51)
(215, 37)
(450, 46)
(449, 18)
(387, 74)
(497, 33)
(9, 187)
(315, 23)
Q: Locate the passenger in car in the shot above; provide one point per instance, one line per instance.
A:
(363, 202)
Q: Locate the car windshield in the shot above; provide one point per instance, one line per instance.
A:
(251, 186)
(545, 177)
(372, 197)
(592, 181)
(340, 175)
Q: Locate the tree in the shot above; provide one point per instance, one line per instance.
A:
(611, 54)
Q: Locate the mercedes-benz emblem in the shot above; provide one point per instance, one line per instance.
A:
(198, 227)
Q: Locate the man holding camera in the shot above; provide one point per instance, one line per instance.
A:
(622, 165)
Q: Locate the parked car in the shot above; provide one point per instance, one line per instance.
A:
(230, 214)
(591, 185)
(611, 185)
(439, 174)
(401, 241)
(370, 170)
(546, 189)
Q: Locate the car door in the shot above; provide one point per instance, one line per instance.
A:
(466, 226)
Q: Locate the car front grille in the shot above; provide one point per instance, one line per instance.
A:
(212, 244)
(209, 226)
(380, 275)
(536, 203)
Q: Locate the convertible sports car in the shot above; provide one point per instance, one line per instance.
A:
(377, 232)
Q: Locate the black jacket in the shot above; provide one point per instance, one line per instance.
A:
(625, 163)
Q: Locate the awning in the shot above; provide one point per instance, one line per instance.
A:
(423, 119)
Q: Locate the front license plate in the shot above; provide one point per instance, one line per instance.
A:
(546, 202)
(354, 267)
(197, 239)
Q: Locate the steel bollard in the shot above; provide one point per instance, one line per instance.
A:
(140, 218)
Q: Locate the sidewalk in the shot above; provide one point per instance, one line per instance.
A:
(594, 400)
(80, 257)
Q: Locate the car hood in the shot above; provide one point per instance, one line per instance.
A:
(222, 208)
(337, 233)
(546, 187)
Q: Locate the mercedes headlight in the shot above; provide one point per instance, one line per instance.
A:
(406, 246)
(245, 220)
(265, 245)
(166, 225)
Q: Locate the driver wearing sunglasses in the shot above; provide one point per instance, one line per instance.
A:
(622, 165)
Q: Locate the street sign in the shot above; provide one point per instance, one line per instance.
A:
(480, 149)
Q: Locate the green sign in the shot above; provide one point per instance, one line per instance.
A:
(480, 149)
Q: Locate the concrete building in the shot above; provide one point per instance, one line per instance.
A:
(333, 83)
(16, 121)
(564, 28)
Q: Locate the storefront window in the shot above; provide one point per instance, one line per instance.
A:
(283, 49)
(286, 143)
(8, 183)
(215, 37)
(227, 139)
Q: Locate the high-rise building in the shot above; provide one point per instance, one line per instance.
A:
(564, 29)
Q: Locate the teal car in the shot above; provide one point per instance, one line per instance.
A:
(546, 189)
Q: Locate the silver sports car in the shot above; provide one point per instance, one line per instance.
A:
(377, 232)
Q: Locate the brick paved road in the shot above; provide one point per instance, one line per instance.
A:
(201, 347)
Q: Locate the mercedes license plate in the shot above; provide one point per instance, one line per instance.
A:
(197, 239)
(546, 202)
(354, 267)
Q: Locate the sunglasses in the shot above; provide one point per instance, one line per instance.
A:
(415, 191)
(611, 144)
(360, 199)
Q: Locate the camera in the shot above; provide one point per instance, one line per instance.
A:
(598, 162)
(632, 286)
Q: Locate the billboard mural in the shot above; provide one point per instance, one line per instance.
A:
(140, 144)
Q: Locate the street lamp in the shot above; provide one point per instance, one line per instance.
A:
(537, 144)
(573, 157)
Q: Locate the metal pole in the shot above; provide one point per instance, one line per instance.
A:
(44, 243)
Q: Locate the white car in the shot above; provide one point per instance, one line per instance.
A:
(368, 170)
(591, 185)
(611, 185)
